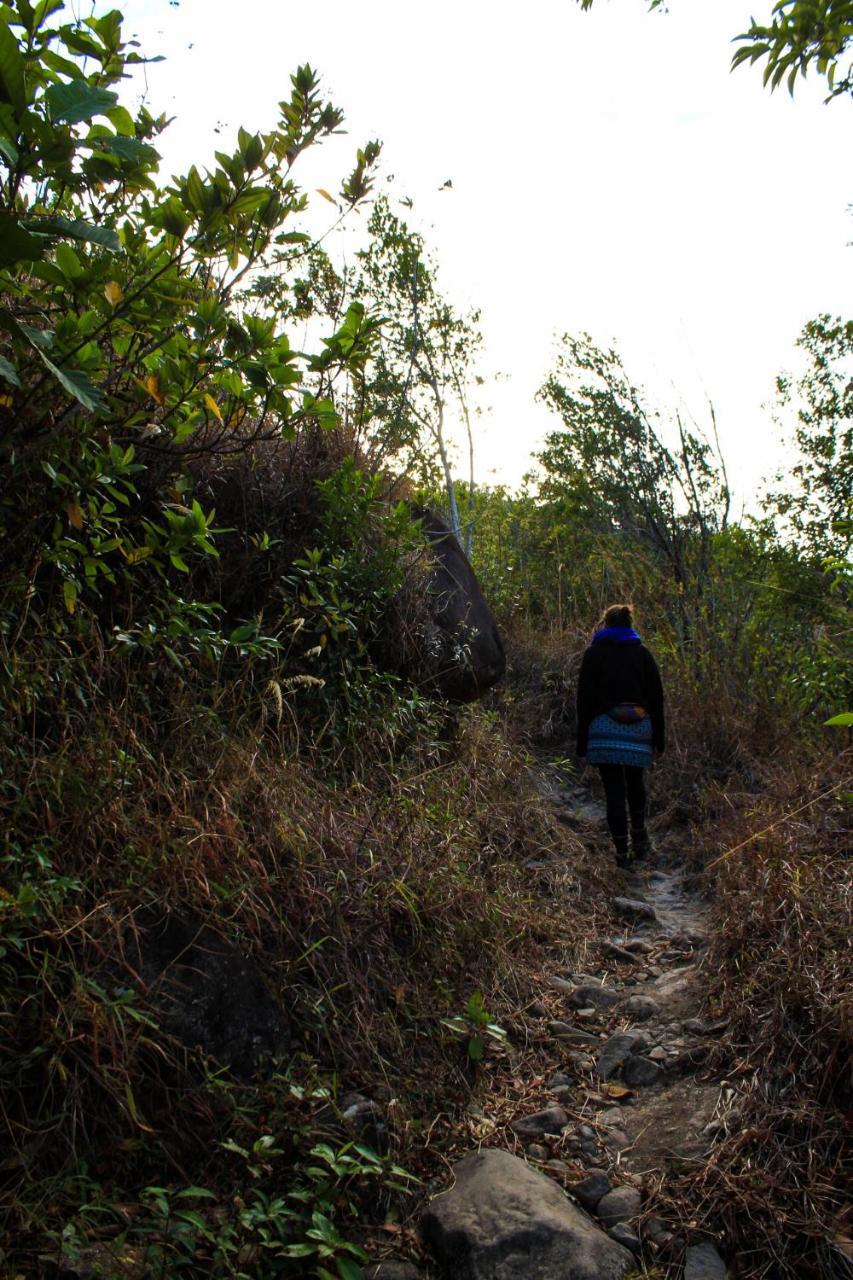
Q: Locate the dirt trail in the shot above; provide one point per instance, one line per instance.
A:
(666, 1122)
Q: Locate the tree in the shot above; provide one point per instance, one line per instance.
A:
(799, 34)
(610, 466)
(125, 346)
(816, 510)
(421, 369)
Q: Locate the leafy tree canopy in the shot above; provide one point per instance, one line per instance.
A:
(799, 35)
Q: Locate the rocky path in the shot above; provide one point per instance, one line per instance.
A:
(629, 1101)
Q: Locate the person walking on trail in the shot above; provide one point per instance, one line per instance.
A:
(621, 724)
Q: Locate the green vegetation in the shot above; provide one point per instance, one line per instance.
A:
(214, 600)
(800, 34)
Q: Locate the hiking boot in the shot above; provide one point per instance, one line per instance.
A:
(623, 857)
(640, 843)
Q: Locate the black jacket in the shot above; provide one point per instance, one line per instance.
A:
(612, 672)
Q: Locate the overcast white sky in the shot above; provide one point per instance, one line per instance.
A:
(609, 174)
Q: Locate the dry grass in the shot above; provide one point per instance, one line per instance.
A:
(777, 1183)
(376, 892)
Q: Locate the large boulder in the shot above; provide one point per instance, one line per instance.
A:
(465, 654)
(203, 991)
(501, 1220)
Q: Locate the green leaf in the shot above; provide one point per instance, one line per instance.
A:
(121, 119)
(845, 719)
(77, 385)
(68, 262)
(133, 149)
(79, 100)
(16, 244)
(8, 149)
(75, 229)
(11, 68)
(349, 1270)
(9, 372)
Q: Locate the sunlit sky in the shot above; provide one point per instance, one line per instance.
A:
(609, 174)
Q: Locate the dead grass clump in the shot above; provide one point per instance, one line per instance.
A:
(777, 1182)
(375, 892)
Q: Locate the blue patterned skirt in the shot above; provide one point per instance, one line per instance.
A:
(611, 743)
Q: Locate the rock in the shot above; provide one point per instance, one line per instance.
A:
(639, 945)
(638, 1070)
(559, 1080)
(641, 1008)
(622, 954)
(656, 1230)
(364, 1120)
(464, 651)
(633, 909)
(658, 1054)
(393, 1271)
(617, 1049)
(203, 990)
(616, 1139)
(503, 1220)
(557, 1166)
(561, 984)
(582, 1061)
(549, 1120)
(690, 1059)
(702, 1262)
(536, 1009)
(624, 1235)
(537, 1152)
(695, 1026)
(591, 995)
(619, 1205)
(591, 1189)
(572, 1035)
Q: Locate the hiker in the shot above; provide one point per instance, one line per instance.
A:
(621, 723)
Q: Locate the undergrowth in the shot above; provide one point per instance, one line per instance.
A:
(376, 887)
(780, 878)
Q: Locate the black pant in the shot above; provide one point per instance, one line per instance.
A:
(621, 783)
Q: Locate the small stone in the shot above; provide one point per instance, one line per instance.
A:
(589, 1013)
(632, 909)
(582, 1061)
(622, 954)
(695, 1026)
(619, 1205)
(586, 1131)
(658, 1054)
(656, 1230)
(537, 1009)
(561, 984)
(537, 1152)
(572, 1035)
(591, 1189)
(702, 1262)
(639, 946)
(654, 971)
(638, 1070)
(615, 1052)
(563, 1092)
(641, 1008)
(616, 1140)
(593, 995)
(549, 1120)
(557, 1166)
(624, 1235)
